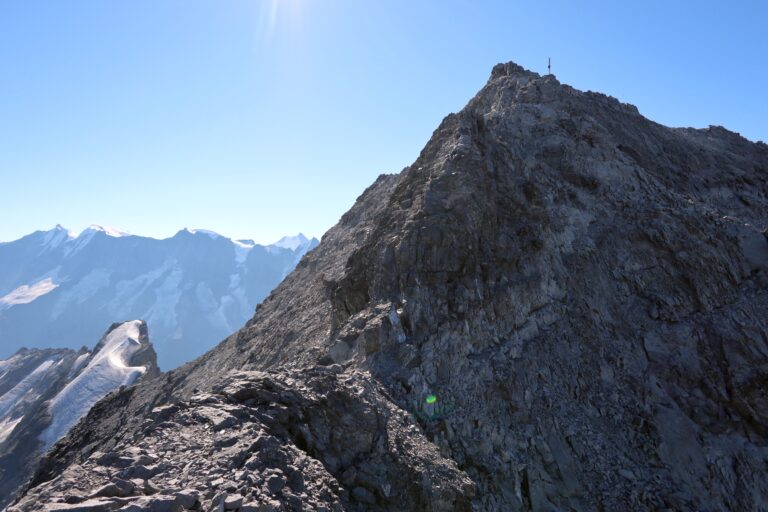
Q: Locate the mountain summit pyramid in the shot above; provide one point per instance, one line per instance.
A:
(559, 306)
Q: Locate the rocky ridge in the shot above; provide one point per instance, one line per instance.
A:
(256, 445)
(43, 393)
(567, 298)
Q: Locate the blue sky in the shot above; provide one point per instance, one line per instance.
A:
(258, 118)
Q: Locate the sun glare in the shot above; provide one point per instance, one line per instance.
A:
(274, 13)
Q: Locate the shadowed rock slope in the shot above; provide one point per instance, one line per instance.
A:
(567, 298)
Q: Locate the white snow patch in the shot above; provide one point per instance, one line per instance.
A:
(26, 385)
(77, 243)
(107, 230)
(7, 363)
(291, 242)
(167, 295)
(105, 372)
(214, 309)
(56, 237)
(241, 252)
(83, 290)
(26, 293)
(130, 290)
(7, 426)
(205, 297)
(237, 292)
(84, 238)
(78, 364)
(208, 232)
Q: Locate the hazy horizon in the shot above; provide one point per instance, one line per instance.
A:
(162, 236)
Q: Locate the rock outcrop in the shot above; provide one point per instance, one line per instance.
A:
(43, 393)
(567, 298)
(257, 443)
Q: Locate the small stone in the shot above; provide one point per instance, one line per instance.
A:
(114, 460)
(339, 352)
(138, 505)
(138, 471)
(187, 498)
(150, 487)
(275, 483)
(145, 460)
(233, 502)
(138, 483)
(95, 505)
(627, 473)
(293, 502)
(96, 456)
(107, 491)
(267, 506)
(125, 486)
(217, 504)
(164, 504)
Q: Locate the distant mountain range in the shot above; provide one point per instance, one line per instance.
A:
(44, 393)
(59, 289)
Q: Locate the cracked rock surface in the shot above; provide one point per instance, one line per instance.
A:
(566, 299)
(313, 440)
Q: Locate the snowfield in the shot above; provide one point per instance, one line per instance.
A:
(44, 392)
(106, 371)
(25, 294)
(21, 392)
(23, 388)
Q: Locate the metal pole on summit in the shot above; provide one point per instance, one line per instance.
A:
(549, 66)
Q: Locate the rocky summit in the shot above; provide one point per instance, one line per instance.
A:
(559, 306)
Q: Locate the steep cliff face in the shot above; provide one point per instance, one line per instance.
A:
(568, 298)
(44, 393)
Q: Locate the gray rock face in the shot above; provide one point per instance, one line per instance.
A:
(192, 289)
(567, 299)
(44, 392)
(259, 440)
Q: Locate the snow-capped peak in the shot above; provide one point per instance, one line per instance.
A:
(57, 236)
(85, 237)
(292, 242)
(58, 228)
(109, 231)
(208, 232)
